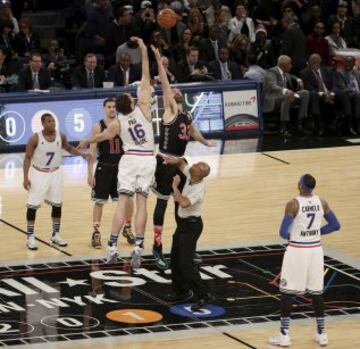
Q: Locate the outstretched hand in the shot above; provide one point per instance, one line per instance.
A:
(156, 52)
(210, 143)
(139, 41)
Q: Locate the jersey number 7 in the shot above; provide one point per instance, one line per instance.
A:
(312, 217)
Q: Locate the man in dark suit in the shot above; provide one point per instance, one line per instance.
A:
(347, 87)
(191, 69)
(223, 69)
(283, 90)
(34, 76)
(124, 73)
(88, 75)
(318, 81)
(209, 47)
(293, 43)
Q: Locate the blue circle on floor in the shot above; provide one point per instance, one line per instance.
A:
(208, 310)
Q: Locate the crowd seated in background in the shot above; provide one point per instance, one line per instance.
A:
(211, 40)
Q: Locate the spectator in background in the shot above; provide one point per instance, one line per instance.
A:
(159, 42)
(172, 35)
(170, 75)
(124, 72)
(293, 43)
(255, 72)
(26, 40)
(239, 50)
(120, 31)
(316, 43)
(282, 91)
(347, 87)
(6, 34)
(54, 56)
(209, 47)
(88, 75)
(221, 21)
(263, 49)
(318, 81)
(5, 65)
(34, 76)
(146, 21)
(7, 15)
(197, 25)
(191, 69)
(215, 5)
(345, 21)
(97, 24)
(315, 15)
(242, 24)
(185, 42)
(334, 39)
(222, 68)
(132, 48)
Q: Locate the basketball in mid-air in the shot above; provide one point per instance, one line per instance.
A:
(166, 18)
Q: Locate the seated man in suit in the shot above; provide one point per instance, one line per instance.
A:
(318, 81)
(347, 88)
(124, 72)
(283, 90)
(34, 76)
(191, 69)
(224, 69)
(209, 47)
(88, 75)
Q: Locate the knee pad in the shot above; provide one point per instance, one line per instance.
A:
(56, 212)
(31, 214)
(159, 212)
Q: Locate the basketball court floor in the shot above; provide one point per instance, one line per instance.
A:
(69, 298)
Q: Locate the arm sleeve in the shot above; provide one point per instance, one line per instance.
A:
(285, 225)
(333, 224)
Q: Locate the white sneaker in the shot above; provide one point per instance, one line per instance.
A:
(322, 339)
(282, 340)
(31, 243)
(112, 254)
(57, 240)
(136, 257)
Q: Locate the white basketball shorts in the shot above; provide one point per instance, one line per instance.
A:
(302, 270)
(45, 186)
(136, 174)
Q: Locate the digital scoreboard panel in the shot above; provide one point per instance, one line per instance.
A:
(75, 118)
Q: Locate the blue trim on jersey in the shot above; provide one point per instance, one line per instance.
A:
(140, 151)
(305, 243)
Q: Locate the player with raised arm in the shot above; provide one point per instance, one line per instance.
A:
(43, 177)
(137, 165)
(302, 269)
(104, 181)
(176, 130)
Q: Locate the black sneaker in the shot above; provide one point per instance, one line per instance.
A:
(96, 240)
(178, 298)
(160, 260)
(202, 301)
(127, 233)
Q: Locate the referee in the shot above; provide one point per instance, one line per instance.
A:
(186, 280)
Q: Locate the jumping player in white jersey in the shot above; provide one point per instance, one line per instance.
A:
(176, 130)
(137, 165)
(303, 264)
(43, 176)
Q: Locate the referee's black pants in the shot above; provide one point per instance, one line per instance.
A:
(184, 274)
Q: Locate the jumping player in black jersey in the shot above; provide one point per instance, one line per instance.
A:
(176, 131)
(104, 181)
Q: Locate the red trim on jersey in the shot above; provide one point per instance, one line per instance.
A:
(303, 246)
(45, 169)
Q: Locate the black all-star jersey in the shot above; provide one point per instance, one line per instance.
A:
(109, 151)
(175, 136)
